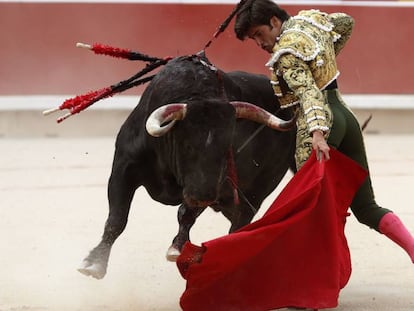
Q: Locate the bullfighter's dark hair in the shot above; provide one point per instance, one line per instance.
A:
(255, 13)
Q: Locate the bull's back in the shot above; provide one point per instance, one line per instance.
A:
(255, 88)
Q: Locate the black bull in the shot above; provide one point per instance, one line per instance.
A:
(213, 156)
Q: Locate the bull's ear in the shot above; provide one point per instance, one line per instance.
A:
(163, 118)
(255, 113)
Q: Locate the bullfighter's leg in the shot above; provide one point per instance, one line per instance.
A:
(120, 193)
(347, 137)
(186, 218)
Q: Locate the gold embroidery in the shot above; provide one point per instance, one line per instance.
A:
(303, 139)
(309, 37)
(304, 60)
(343, 25)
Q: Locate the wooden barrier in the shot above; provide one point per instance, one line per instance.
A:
(38, 54)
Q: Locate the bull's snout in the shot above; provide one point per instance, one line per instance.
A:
(202, 188)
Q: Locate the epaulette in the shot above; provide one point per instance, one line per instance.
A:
(298, 39)
(295, 42)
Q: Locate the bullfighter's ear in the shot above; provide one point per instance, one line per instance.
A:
(163, 118)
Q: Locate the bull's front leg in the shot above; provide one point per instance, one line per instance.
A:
(242, 215)
(120, 194)
(186, 218)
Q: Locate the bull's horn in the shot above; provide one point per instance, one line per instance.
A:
(165, 114)
(255, 113)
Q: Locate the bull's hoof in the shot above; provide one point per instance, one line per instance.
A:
(172, 254)
(94, 270)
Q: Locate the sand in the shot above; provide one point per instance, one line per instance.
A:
(53, 206)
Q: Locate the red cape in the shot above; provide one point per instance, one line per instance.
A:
(295, 255)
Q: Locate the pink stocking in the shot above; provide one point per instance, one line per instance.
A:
(394, 229)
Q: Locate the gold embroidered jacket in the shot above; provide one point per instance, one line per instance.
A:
(303, 63)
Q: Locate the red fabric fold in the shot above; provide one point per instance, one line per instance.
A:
(295, 255)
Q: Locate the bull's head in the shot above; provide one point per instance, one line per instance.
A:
(163, 119)
(202, 141)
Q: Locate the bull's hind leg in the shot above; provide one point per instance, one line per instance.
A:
(120, 193)
(186, 218)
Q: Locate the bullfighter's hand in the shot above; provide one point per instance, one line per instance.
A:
(320, 145)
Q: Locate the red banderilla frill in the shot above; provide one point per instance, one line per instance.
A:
(81, 102)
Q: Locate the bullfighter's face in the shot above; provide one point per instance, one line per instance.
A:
(265, 36)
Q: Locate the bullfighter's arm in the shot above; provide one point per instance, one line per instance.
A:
(299, 78)
(343, 25)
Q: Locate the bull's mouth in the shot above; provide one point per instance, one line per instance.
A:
(192, 202)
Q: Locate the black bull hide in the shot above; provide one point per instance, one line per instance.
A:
(190, 165)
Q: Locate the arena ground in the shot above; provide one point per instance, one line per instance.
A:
(53, 177)
(53, 207)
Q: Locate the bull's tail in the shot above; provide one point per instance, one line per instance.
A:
(365, 124)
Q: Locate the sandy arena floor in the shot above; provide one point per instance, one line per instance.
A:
(53, 207)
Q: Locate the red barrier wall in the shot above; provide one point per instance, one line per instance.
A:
(38, 54)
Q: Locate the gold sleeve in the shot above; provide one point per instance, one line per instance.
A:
(298, 77)
(343, 25)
